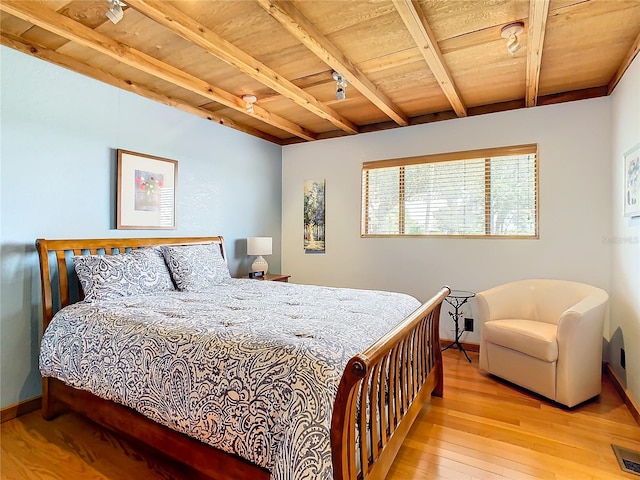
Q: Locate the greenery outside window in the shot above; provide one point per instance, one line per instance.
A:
(478, 193)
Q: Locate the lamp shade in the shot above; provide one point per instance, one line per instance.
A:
(259, 246)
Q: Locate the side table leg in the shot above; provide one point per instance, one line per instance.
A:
(461, 348)
(458, 335)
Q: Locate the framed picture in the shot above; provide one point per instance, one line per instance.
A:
(314, 216)
(146, 192)
(632, 182)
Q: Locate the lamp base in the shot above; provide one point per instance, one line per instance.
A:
(260, 265)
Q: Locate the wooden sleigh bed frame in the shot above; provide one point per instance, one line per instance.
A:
(393, 378)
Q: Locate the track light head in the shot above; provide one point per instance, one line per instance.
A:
(511, 32)
(341, 86)
(249, 100)
(115, 12)
(513, 45)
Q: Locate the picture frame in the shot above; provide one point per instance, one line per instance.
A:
(146, 197)
(631, 185)
(314, 216)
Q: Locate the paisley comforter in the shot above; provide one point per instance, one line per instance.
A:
(251, 368)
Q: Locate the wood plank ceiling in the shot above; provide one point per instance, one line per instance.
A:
(405, 61)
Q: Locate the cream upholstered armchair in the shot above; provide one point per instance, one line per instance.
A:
(544, 335)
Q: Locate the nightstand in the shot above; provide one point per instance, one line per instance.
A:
(275, 277)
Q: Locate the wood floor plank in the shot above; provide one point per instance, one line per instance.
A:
(482, 428)
(506, 431)
(71, 447)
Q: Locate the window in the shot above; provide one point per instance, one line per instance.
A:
(478, 193)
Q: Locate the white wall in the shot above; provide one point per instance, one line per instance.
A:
(57, 175)
(624, 238)
(574, 221)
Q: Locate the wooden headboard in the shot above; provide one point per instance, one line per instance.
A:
(60, 286)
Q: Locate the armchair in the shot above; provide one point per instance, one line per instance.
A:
(544, 335)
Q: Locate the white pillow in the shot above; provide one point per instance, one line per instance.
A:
(196, 268)
(111, 276)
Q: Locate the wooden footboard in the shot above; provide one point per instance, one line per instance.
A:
(382, 391)
(379, 396)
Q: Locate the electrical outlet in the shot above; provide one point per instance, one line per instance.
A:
(623, 362)
(468, 324)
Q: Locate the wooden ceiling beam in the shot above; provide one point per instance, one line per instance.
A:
(309, 35)
(84, 69)
(538, 12)
(571, 96)
(631, 54)
(189, 29)
(417, 25)
(44, 17)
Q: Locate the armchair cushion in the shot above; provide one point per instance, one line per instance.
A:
(536, 339)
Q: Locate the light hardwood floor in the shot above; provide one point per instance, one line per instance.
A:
(481, 429)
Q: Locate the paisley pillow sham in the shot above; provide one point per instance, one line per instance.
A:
(110, 276)
(196, 268)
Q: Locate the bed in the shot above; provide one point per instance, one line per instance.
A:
(370, 390)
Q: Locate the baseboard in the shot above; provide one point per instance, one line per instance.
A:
(629, 402)
(469, 347)
(20, 408)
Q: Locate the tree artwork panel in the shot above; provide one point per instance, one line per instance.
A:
(314, 216)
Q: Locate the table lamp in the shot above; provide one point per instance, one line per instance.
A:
(259, 246)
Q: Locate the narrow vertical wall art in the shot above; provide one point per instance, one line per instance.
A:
(314, 216)
(632, 182)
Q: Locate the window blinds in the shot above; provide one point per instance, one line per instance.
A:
(490, 192)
